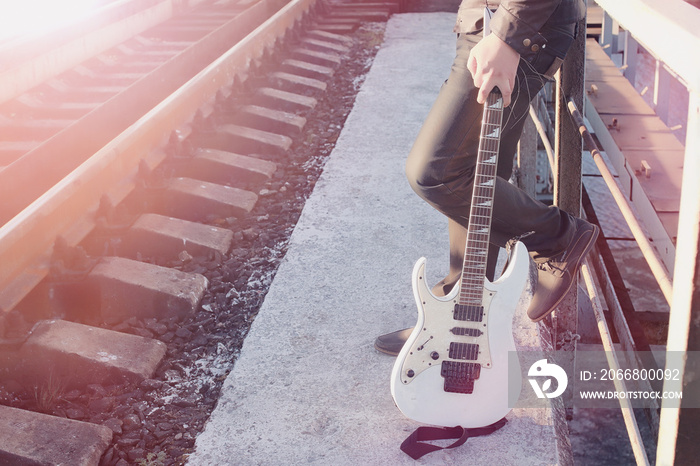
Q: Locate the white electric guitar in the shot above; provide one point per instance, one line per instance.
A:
(453, 370)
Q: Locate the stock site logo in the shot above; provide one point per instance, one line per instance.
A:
(542, 369)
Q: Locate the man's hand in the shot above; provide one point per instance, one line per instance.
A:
(493, 63)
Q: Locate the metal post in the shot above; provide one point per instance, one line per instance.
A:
(678, 426)
(606, 36)
(662, 91)
(568, 149)
(630, 57)
(527, 158)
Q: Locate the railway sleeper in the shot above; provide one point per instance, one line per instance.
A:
(242, 138)
(330, 37)
(165, 238)
(297, 84)
(125, 288)
(267, 119)
(284, 100)
(71, 355)
(28, 438)
(225, 167)
(30, 129)
(319, 58)
(197, 200)
(58, 110)
(315, 40)
(359, 13)
(309, 70)
(347, 27)
(391, 7)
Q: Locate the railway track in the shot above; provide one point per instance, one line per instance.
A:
(148, 192)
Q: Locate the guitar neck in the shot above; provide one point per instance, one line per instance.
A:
(479, 230)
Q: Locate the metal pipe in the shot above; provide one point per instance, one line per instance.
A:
(630, 419)
(656, 265)
(543, 135)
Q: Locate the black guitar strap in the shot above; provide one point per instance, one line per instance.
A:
(415, 445)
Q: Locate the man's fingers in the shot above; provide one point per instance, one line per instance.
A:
(481, 96)
(471, 64)
(492, 63)
(506, 93)
(504, 86)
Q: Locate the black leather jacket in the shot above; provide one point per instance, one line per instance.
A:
(519, 22)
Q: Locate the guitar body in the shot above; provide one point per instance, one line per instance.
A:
(418, 386)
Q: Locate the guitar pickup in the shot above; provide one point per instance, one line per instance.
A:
(468, 351)
(466, 331)
(460, 376)
(468, 312)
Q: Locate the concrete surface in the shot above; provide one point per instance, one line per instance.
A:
(308, 387)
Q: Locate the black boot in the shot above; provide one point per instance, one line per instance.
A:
(391, 343)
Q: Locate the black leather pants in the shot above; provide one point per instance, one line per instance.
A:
(441, 164)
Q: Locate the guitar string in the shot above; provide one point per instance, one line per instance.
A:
(471, 288)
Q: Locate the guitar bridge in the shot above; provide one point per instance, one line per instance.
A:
(460, 376)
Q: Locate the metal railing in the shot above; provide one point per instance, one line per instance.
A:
(665, 30)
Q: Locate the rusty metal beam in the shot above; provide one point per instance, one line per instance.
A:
(568, 151)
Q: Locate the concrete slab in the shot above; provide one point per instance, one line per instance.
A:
(310, 70)
(329, 36)
(295, 83)
(189, 199)
(28, 438)
(242, 139)
(129, 288)
(389, 6)
(225, 167)
(320, 58)
(337, 26)
(270, 119)
(322, 44)
(308, 387)
(285, 100)
(74, 354)
(154, 235)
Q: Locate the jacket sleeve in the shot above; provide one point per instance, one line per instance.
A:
(517, 22)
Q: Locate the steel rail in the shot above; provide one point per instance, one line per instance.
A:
(68, 208)
(23, 181)
(26, 62)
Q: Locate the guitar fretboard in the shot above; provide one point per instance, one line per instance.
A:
(479, 231)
